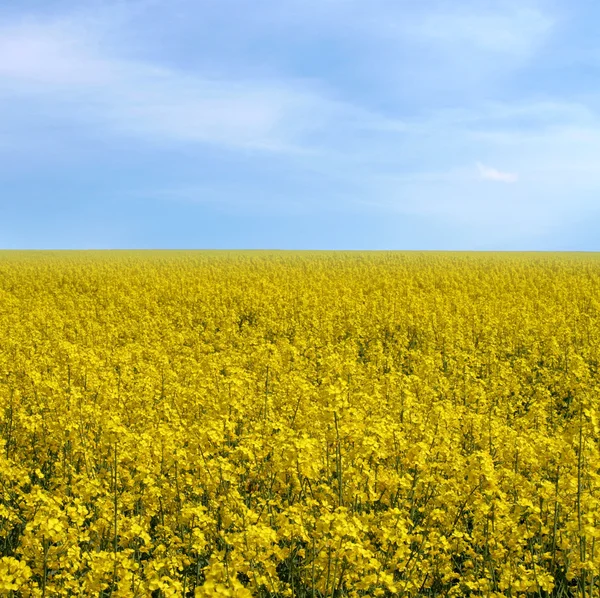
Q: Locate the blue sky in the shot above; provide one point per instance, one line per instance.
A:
(300, 124)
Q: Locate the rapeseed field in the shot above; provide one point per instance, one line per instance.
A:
(299, 424)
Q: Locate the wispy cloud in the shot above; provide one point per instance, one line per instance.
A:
(493, 174)
(60, 65)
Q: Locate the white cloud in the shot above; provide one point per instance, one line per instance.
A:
(62, 67)
(492, 174)
(46, 56)
(76, 71)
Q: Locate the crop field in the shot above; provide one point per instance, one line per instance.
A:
(305, 424)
